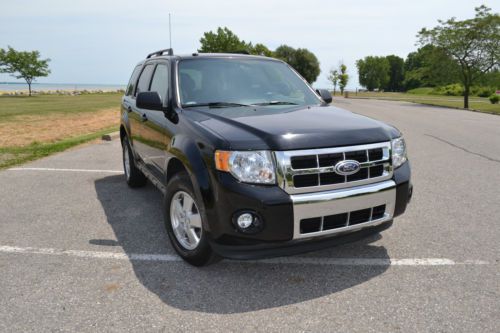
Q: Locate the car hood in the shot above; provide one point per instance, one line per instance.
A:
(290, 128)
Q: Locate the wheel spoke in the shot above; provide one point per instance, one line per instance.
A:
(178, 230)
(187, 203)
(177, 226)
(178, 207)
(195, 220)
(192, 236)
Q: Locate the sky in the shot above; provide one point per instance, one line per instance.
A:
(99, 42)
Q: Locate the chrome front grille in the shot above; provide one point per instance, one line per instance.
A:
(312, 170)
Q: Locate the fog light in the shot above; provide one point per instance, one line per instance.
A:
(245, 220)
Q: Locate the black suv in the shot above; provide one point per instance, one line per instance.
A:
(252, 161)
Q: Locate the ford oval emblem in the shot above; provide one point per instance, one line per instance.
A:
(346, 168)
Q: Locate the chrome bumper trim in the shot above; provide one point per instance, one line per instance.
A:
(320, 204)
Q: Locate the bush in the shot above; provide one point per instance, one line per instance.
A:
(450, 90)
(494, 99)
(482, 91)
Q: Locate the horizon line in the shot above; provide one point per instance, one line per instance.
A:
(70, 83)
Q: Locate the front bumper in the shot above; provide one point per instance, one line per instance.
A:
(278, 249)
(282, 214)
(337, 202)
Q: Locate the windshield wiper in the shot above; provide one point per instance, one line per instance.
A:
(275, 103)
(215, 105)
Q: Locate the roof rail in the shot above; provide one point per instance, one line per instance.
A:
(161, 52)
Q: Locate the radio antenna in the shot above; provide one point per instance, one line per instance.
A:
(170, 30)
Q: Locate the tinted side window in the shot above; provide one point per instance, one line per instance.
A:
(144, 79)
(133, 81)
(160, 81)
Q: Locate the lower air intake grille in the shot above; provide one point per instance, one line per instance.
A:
(336, 221)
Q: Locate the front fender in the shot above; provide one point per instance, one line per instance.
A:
(195, 158)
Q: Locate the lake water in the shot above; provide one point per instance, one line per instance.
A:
(9, 86)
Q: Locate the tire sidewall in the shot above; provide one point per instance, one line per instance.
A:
(135, 178)
(126, 147)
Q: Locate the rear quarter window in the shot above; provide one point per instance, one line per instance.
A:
(133, 81)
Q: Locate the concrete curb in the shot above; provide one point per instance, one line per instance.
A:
(110, 136)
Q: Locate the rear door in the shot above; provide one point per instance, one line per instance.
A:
(128, 99)
(138, 116)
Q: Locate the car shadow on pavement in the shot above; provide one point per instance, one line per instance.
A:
(227, 287)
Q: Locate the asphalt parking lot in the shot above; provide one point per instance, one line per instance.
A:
(80, 251)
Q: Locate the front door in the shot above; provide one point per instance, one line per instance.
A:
(157, 129)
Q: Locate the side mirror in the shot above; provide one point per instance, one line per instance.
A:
(149, 100)
(325, 95)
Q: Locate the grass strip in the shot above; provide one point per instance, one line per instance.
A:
(41, 105)
(10, 156)
(475, 104)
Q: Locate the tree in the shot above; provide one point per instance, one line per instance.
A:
(473, 43)
(373, 72)
(396, 73)
(25, 65)
(343, 78)
(333, 77)
(261, 49)
(491, 79)
(285, 53)
(430, 66)
(302, 60)
(224, 40)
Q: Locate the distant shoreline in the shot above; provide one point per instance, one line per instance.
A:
(6, 87)
(61, 92)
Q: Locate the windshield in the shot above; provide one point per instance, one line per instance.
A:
(226, 82)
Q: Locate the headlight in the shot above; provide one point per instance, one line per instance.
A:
(247, 166)
(398, 152)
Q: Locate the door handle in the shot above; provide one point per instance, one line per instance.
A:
(144, 117)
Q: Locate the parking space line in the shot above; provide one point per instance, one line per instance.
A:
(65, 170)
(277, 261)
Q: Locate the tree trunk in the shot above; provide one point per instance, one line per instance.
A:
(334, 88)
(466, 95)
(466, 81)
(28, 81)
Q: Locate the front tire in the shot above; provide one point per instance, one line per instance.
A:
(134, 176)
(184, 222)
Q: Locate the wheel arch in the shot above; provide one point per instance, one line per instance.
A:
(175, 166)
(123, 132)
(186, 155)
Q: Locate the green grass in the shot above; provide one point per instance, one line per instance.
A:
(421, 91)
(475, 103)
(43, 104)
(38, 108)
(10, 156)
